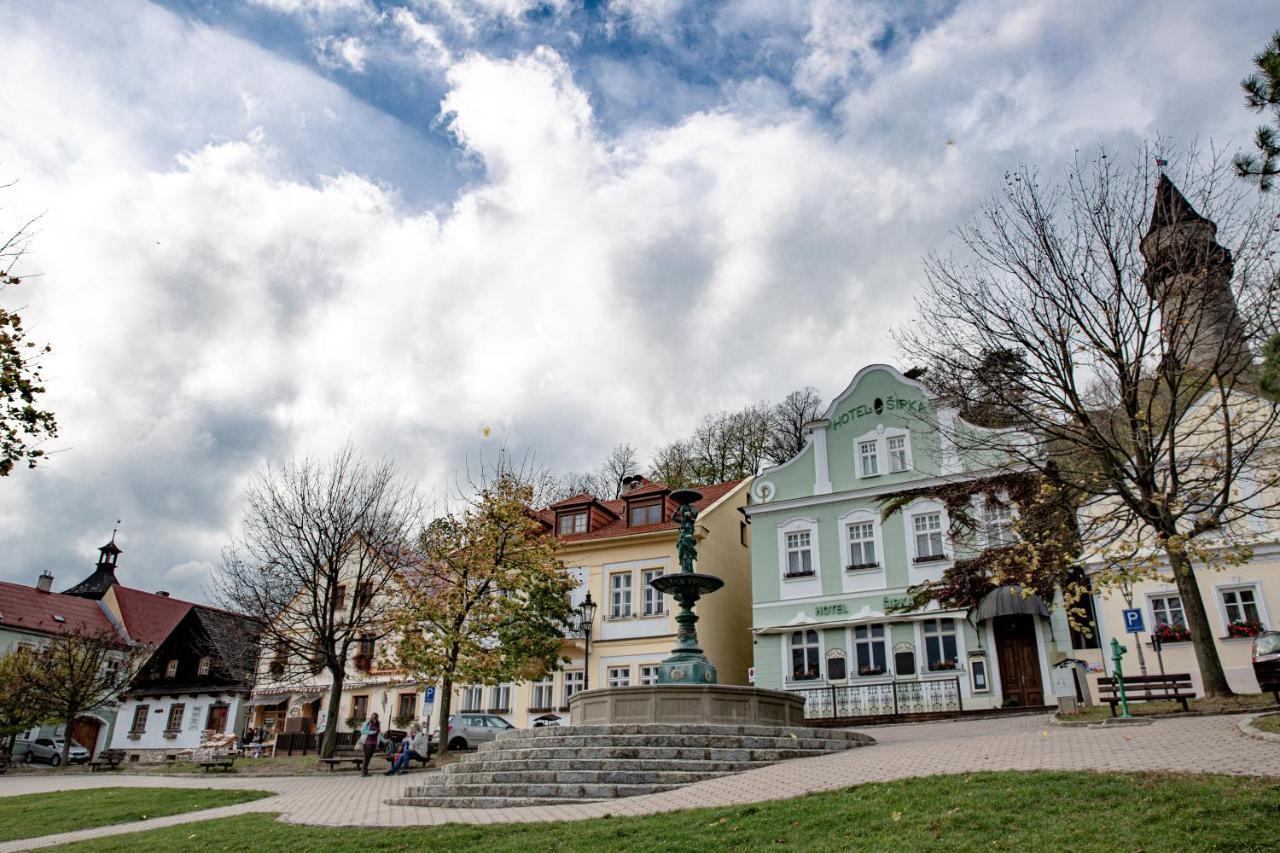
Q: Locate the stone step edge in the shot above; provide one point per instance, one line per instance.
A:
(637, 764)
(691, 728)
(487, 802)
(672, 740)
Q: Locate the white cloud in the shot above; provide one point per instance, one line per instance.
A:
(225, 282)
(342, 52)
(427, 40)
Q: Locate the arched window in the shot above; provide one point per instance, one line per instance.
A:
(805, 656)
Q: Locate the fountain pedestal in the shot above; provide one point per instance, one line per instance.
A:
(687, 664)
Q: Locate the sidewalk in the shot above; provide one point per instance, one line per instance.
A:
(1199, 744)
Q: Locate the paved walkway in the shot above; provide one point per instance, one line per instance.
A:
(1206, 744)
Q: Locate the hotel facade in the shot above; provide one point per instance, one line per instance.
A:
(830, 573)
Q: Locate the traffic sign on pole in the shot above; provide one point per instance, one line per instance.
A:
(1133, 620)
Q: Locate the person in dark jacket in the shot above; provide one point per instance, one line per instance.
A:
(370, 734)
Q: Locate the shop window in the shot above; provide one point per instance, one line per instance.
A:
(940, 644)
(870, 649)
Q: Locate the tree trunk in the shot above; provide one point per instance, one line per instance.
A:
(1211, 674)
(446, 706)
(66, 741)
(330, 741)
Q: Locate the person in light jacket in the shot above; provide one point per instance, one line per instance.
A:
(416, 744)
(370, 734)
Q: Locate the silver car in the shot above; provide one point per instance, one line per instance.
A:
(50, 749)
(468, 730)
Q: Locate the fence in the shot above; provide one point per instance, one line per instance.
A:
(304, 743)
(893, 699)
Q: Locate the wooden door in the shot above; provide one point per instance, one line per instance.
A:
(1019, 660)
(84, 731)
(217, 718)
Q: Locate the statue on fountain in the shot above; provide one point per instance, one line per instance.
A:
(687, 664)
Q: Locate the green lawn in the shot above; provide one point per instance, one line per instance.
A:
(1000, 811)
(1269, 723)
(283, 765)
(1242, 702)
(31, 815)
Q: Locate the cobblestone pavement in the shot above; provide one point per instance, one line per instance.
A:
(1204, 744)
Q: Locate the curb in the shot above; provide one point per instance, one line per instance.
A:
(1246, 728)
(1107, 723)
(1177, 715)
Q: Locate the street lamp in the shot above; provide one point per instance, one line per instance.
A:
(586, 615)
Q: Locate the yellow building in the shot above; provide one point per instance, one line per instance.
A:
(614, 548)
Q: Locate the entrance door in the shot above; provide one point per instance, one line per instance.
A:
(84, 731)
(1019, 661)
(217, 718)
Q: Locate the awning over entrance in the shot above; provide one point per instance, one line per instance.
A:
(1011, 601)
(268, 699)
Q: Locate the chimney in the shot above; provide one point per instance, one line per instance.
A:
(162, 593)
(630, 484)
(45, 583)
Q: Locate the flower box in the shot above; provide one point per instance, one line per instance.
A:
(1172, 633)
(1244, 629)
(871, 670)
(942, 666)
(857, 567)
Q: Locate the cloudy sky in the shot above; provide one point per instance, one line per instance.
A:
(271, 225)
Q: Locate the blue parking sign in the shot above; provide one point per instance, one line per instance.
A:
(431, 696)
(1133, 621)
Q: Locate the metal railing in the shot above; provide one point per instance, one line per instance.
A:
(889, 699)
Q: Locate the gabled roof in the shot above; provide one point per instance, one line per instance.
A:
(25, 608)
(149, 618)
(234, 638)
(647, 489)
(575, 500)
(618, 527)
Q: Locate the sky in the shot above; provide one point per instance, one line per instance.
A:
(436, 227)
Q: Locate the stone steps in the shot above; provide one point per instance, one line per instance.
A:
(588, 763)
(575, 777)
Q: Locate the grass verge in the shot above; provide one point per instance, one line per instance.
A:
(32, 815)
(1205, 705)
(1269, 723)
(1000, 811)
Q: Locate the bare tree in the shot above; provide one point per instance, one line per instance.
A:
(23, 424)
(320, 544)
(788, 418)
(81, 671)
(604, 483)
(1102, 316)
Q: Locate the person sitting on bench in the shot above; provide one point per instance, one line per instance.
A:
(413, 746)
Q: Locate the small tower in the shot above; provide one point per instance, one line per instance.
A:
(104, 574)
(1189, 274)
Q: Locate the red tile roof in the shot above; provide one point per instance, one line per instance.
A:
(618, 527)
(148, 617)
(583, 498)
(26, 608)
(648, 489)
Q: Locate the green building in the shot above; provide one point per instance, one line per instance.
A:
(830, 573)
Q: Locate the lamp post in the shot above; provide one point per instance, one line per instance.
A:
(586, 615)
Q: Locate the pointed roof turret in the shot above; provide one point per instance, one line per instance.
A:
(104, 574)
(1172, 208)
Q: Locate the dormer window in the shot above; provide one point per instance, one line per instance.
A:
(204, 666)
(571, 522)
(171, 669)
(648, 512)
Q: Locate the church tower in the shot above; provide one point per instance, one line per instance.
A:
(1189, 274)
(104, 574)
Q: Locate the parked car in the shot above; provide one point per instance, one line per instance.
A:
(50, 749)
(1266, 661)
(468, 730)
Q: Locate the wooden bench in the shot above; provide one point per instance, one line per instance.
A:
(225, 762)
(354, 760)
(423, 759)
(109, 759)
(1172, 687)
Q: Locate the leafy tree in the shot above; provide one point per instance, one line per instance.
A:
(78, 672)
(21, 703)
(320, 544)
(23, 424)
(1262, 94)
(1122, 341)
(490, 603)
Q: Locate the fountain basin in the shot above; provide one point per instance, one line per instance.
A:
(683, 583)
(728, 704)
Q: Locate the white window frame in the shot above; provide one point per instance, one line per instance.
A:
(620, 595)
(647, 674)
(855, 669)
(984, 509)
(909, 514)
(862, 457)
(473, 699)
(618, 676)
(1153, 597)
(1258, 601)
(890, 435)
(862, 520)
(799, 525)
(653, 602)
(787, 659)
(538, 687)
(574, 679)
(500, 697)
(922, 663)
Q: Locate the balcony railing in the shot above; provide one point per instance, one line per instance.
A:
(891, 699)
